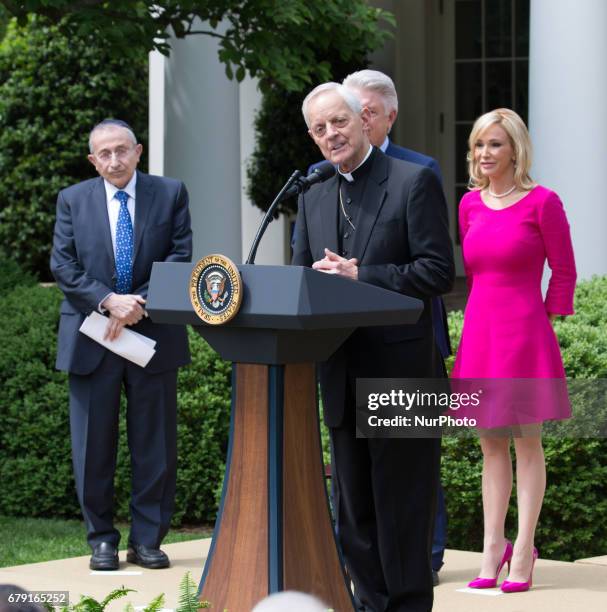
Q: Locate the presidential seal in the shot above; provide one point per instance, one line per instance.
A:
(215, 289)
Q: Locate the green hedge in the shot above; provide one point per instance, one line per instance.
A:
(12, 275)
(35, 464)
(573, 522)
(53, 90)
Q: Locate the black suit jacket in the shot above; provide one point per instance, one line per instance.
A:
(82, 262)
(402, 243)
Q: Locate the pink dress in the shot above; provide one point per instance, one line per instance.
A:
(507, 333)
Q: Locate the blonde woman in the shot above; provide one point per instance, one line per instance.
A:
(509, 227)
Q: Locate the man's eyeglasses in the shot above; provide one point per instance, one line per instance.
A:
(120, 153)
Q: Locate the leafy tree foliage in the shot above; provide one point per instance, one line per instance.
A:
(4, 19)
(53, 89)
(277, 41)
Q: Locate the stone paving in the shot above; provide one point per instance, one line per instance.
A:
(558, 586)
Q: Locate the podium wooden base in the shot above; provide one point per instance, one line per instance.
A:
(273, 530)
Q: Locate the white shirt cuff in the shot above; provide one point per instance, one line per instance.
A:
(100, 308)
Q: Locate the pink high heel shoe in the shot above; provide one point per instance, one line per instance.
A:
(519, 587)
(489, 583)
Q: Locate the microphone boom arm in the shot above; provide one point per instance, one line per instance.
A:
(269, 215)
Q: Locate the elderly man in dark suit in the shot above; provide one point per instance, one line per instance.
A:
(382, 221)
(109, 230)
(376, 91)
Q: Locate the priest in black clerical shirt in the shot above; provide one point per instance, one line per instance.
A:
(382, 221)
(351, 194)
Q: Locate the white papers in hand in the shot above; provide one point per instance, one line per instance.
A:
(129, 344)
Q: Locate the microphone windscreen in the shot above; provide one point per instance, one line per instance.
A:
(324, 171)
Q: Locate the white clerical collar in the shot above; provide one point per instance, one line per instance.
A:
(110, 190)
(348, 175)
(384, 145)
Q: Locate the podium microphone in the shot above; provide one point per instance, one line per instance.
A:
(295, 185)
(321, 173)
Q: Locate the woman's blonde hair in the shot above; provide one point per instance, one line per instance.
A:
(519, 140)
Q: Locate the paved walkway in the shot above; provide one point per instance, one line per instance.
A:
(75, 576)
(558, 586)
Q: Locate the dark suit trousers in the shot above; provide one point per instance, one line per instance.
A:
(385, 507)
(152, 434)
(386, 495)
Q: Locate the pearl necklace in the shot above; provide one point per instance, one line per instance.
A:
(501, 195)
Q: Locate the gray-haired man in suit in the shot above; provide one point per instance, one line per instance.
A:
(109, 230)
(381, 221)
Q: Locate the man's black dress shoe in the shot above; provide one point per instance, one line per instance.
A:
(105, 557)
(150, 558)
(435, 578)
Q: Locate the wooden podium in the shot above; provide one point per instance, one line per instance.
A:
(273, 530)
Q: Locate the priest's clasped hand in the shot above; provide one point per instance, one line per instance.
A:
(332, 263)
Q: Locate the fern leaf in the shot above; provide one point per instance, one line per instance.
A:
(156, 604)
(115, 594)
(87, 604)
(188, 595)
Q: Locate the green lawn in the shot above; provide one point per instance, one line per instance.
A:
(28, 540)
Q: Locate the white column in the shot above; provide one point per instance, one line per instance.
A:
(568, 118)
(202, 143)
(411, 74)
(272, 249)
(156, 116)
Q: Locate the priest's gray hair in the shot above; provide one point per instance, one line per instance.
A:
(349, 98)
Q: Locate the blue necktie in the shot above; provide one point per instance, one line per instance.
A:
(124, 246)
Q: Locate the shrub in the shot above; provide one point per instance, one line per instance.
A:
(279, 120)
(12, 275)
(35, 465)
(52, 91)
(583, 337)
(573, 523)
(35, 472)
(35, 468)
